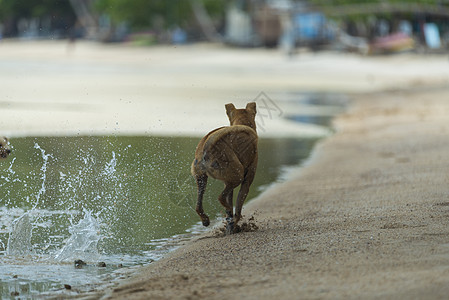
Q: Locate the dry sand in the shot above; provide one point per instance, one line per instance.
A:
(368, 217)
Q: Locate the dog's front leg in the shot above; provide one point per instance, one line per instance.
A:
(229, 200)
(225, 199)
(229, 215)
(201, 181)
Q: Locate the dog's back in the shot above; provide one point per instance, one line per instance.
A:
(218, 149)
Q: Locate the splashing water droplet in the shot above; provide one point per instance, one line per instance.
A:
(109, 169)
(44, 174)
(19, 241)
(83, 241)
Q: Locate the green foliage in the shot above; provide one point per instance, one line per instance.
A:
(139, 14)
(34, 8)
(142, 14)
(216, 8)
(356, 10)
(345, 2)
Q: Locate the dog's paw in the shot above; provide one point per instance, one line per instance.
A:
(206, 222)
(230, 227)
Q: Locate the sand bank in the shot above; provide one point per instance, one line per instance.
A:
(367, 218)
(48, 88)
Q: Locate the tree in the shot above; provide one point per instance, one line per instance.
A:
(145, 14)
(357, 7)
(59, 13)
(85, 15)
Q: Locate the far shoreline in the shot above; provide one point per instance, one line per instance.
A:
(163, 89)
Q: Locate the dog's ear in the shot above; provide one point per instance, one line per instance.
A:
(229, 109)
(251, 107)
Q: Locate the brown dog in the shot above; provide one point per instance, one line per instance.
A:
(4, 147)
(228, 154)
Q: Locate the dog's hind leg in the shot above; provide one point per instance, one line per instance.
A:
(201, 181)
(224, 199)
(244, 189)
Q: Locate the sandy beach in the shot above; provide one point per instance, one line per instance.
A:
(367, 217)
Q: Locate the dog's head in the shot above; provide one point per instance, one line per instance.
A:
(4, 147)
(245, 116)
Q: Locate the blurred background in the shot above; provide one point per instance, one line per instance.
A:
(366, 26)
(104, 102)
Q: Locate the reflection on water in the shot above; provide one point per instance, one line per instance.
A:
(110, 199)
(315, 108)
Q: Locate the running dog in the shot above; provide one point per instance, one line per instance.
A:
(4, 147)
(228, 154)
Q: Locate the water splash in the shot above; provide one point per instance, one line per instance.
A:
(44, 174)
(83, 241)
(8, 177)
(109, 169)
(10, 172)
(19, 241)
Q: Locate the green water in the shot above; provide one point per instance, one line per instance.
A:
(139, 188)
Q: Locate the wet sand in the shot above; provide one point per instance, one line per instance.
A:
(367, 217)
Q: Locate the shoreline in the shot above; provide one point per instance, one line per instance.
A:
(315, 248)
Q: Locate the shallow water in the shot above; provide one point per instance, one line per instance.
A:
(118, 200)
